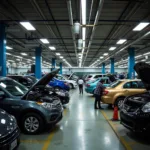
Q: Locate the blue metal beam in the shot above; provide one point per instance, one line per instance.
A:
(2, 50)
(103, 68)
(112, 65)
(38, 70)
(53, 63)
(60, 67)
(131, 63)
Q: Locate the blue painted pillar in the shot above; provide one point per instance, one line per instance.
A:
(103, 68)
(2, 50)
(53, 63)
(60, 67)
(112, 65)
(131, 63)
(38, 70)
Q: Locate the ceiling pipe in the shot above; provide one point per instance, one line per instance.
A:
(71, 23)
(126, 46)
(94, 27)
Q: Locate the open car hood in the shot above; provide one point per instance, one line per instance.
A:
(143, 71)
(42, 82)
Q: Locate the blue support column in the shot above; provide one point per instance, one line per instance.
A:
(131, 63)
(2, 50)
(103, 68)
(112, 65)
(60, 67)
(38, 70)
(53, 63)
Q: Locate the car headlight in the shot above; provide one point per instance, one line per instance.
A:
(146, 108)
(47, 105)
(60, 93)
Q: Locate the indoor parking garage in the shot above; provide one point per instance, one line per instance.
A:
(74, 74)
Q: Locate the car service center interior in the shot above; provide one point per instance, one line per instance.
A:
(74, 74)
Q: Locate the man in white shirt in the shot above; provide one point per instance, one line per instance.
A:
(80, 83)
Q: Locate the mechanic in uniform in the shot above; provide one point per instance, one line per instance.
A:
(80, 83)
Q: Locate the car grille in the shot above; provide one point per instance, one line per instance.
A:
(57, 104)
(9, 137)
(131, 104)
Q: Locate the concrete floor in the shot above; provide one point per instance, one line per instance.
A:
(82, 128)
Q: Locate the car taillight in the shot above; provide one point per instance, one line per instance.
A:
(105, 92)
(88, 85)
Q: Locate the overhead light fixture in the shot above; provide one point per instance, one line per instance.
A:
(105, 54)
(8, 54)
(121, 41)
(146, 57)
(7, 47)
(143, 60)
(112, 48)
(101, 57)
(45, 41)
(61, 57)
(147, 53)
(11, 60)
(80, 54)
(141, 26)
(80, 43)
(28, 26)
(18, 56)
(52, 48)
(24, 54)
(83, 34)
(76, 28)
(83, 4)
(58, 54)
(18, 59)
(33, 57)
(138, 56)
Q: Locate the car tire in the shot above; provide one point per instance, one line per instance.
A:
(71, 86)
(119, 102)
(36, 121)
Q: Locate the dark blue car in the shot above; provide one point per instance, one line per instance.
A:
(58, 84)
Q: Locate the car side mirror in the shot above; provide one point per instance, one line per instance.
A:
(2, 95)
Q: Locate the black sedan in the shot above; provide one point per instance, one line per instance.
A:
(32, 108)
(9, 131)
(135, 112)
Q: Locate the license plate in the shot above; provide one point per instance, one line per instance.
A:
(13, 145)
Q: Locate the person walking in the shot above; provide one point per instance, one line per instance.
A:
(80, 83)
(98, 94)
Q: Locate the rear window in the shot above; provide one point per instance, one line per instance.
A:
(97, 76)
(115, 84)
(89, 76)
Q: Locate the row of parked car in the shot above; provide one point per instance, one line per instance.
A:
(131, 96)
(30, 104)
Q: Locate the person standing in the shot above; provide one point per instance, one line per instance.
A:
(80, 83)
(98, 94)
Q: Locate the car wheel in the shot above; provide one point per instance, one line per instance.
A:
(32, 123)
(119, 102)
(71, 86)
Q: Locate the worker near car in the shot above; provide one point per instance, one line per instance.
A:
(98, 94)
(80, 83)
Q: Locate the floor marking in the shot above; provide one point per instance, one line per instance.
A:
(123, 141)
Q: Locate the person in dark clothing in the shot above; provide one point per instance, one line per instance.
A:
(80, 83)
(98, 94)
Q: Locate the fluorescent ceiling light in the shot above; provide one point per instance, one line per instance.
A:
(61, 57)
(138, 56)
(83, 4)
(45, 41)
(80, 54)
(141, 26)
(52, 48)
(7, 47)
(11, 60)
(58, 54)
(147, 53)
(112, 48)
(8, 54)
(143, 60)
(28, 26)
(121, 41)
(33, 57)
(24, 54)
(105, 54)
(18, 56)
(18, 59)
(83, 34)
(101, 57)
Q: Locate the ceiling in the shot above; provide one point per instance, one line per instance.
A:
(52, 21)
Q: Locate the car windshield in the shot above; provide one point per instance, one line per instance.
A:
(115, 84)
(13, 87)
(33, 79)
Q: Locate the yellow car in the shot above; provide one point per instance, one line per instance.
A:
(116, 92)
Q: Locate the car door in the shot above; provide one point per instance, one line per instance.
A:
(10, 105)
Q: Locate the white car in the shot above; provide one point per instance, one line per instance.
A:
(92, 77)
(72, 83)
